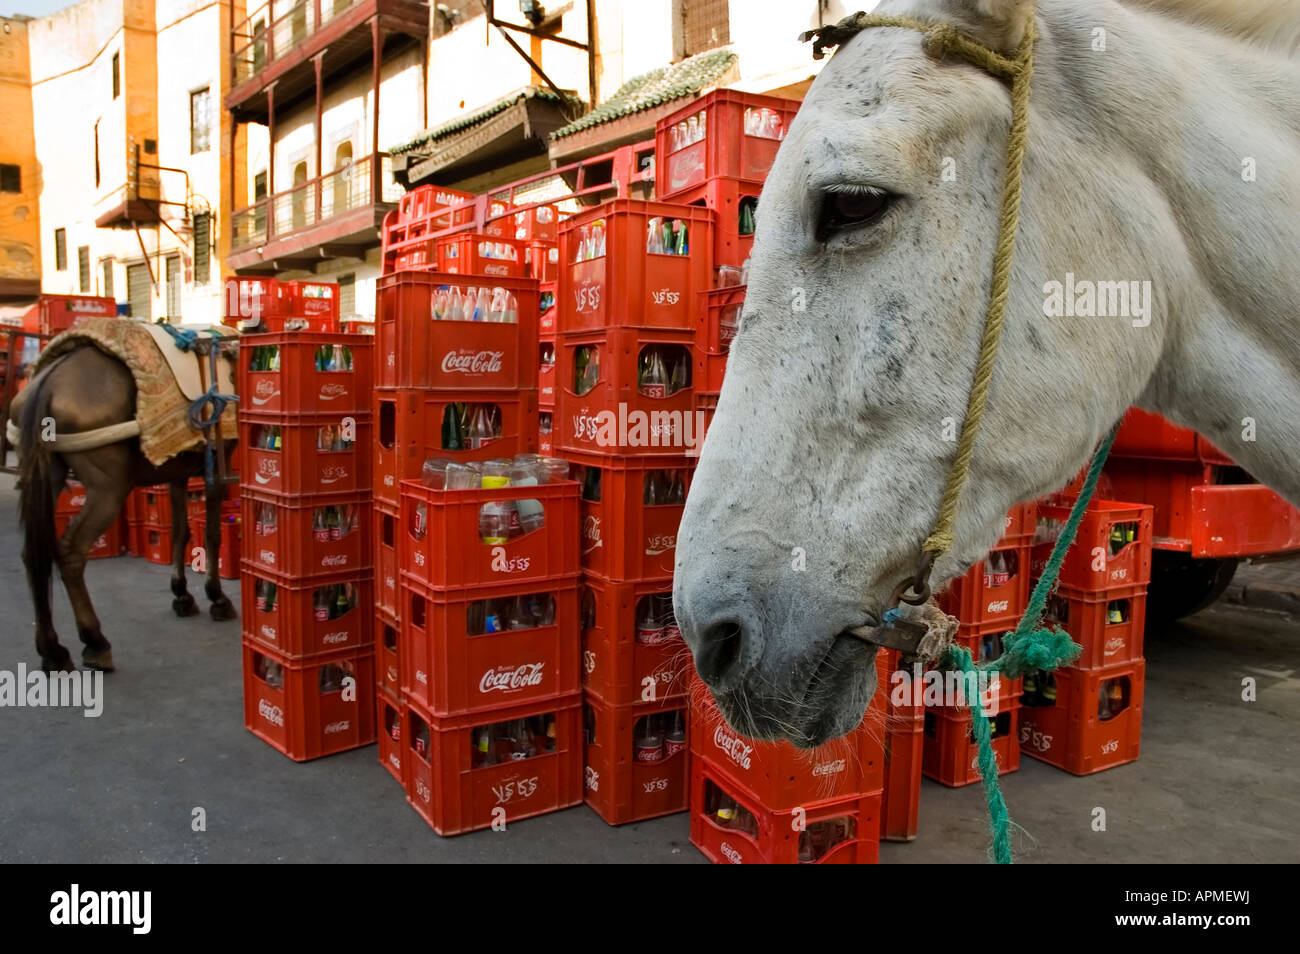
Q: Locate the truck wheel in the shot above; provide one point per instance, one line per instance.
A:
(1181, 585)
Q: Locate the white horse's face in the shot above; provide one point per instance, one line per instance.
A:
(847, 384)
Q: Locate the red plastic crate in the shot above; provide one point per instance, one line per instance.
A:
(899, 697)
(314, 300)
(450, 672)
(718, 318)
(618, 667)
(70, 500)
(107, 544)
(776, 775)
(413, 350)
(1089, 564)
(294, 545)
(293, 625)
(727, 148)
(628, 286)
(710, 369)
(196, 498)
(247, 298)
(388, 652)
(156, 543)
(453, 796)
(978, 599)
(613, 417)
(539, 223)
(228, 550)
(472, 253)
(548, 308)
(304, 716)
(1071, 734)
(386, 570)
(900, 806)
(298, 387)
(775, 837)
(299, 467)
(390, 715)
(619, 782)
(408, 429)
(1086, 616)
(735, 202)
(950, 755)
(542, 261)
(546, 373)
(624, 538)
(135, 537)
(407, 230)
(441, 547)
(984, 643)
(152, 505)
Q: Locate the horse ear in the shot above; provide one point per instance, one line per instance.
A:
(999, 23)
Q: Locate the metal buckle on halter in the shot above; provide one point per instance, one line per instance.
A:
(901, 634)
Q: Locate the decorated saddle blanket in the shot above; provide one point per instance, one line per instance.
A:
(167, 380)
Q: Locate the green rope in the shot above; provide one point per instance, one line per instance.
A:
(1030, 648)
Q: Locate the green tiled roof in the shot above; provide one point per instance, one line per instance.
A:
(656, 88)
(477, 116)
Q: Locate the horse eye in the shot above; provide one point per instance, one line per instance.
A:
(852, 209)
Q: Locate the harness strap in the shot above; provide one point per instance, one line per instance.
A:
(82, 440)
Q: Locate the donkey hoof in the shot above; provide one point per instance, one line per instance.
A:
(62, 662)
(185, 606)
(100, 659)
(222, 609)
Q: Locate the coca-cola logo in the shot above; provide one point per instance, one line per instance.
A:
(1114, 645)
(495, 269)
(269, 633)
(660, 544)
(421, 677)
(685, 167)
(332, 475)
(731, 854)
(268, 469)
(267, 556)
(422, 791)
(340, 560)
(665, 296)
(395, 761)
(329, 638)
(591, 532)
(509, 680)
(829, 768)
(591, 778)
(389, 480)
(265, 389)
(336, 727)
(472, 362)
(329, 392)
(734, 748)
(271, 713)
(999, 606)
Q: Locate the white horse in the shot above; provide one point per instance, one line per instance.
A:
(1163, 148)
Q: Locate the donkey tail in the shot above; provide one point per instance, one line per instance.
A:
(36, 497)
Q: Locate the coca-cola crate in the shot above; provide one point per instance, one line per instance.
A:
(542, 261)
(300, 466)
(314, 301)
(413, 350)
(110, 543)
(1109, 624)
(71, 499)
(307, 537)
(134, 535)
(896, 688)
(425, 201)
(196, 498)
(1020, 525)
(251, 298)
(539, 223)
(623, 537)
(706, 406)
(992, 591)
(632, 650)
(710, 370)
(409, 431)
(386, 568)
(472, 253)
(900, 806)
(545, 431)
(776, 775)
(390, 714)
(729, 827)
(454, 792)
(1112, 548)
(628, 286)
(156, 543)
(718, 318)
(985, 644)
(951, 756)
(548, 308)
(228, 550)
(407, 231)
(731, 145)
(442, 546)
(309, 708)
(636, 759)
(151, 505)
(735, 202)
(1073, 730)
(615, 414)
(546, 372)
(388, 652)
(299, 385)
(303, 619)
(450, 670)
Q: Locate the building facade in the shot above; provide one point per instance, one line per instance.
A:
(20, 228)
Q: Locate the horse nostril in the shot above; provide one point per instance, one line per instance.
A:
(719, 651)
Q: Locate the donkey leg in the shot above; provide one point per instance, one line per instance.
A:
(183, 604)
(54, 656)
(103, 505)
(221, 607)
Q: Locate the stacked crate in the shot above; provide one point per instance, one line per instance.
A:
(112, 542)
(281, 306)
(307, 583)
(228, 565)
(630, 274)
(149, 524)
(1088, 717)
(988, 601)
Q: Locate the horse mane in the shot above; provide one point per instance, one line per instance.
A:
(1273, 24)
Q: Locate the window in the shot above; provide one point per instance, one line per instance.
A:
(117, 75)
(347, 294)
(200, 122)
(11, 178)
(139, 292)
(83, 268)
(202, 247)
(173, 288)
(107, 267)
(259, 213)
(96, 152)
(701, 25)
(60, 249)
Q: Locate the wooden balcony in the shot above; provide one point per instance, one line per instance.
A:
(337, 214)
(281, 53)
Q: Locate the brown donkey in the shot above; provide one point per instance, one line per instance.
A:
(85, 390)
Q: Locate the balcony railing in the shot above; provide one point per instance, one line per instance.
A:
(255, 49)
(315, 201)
